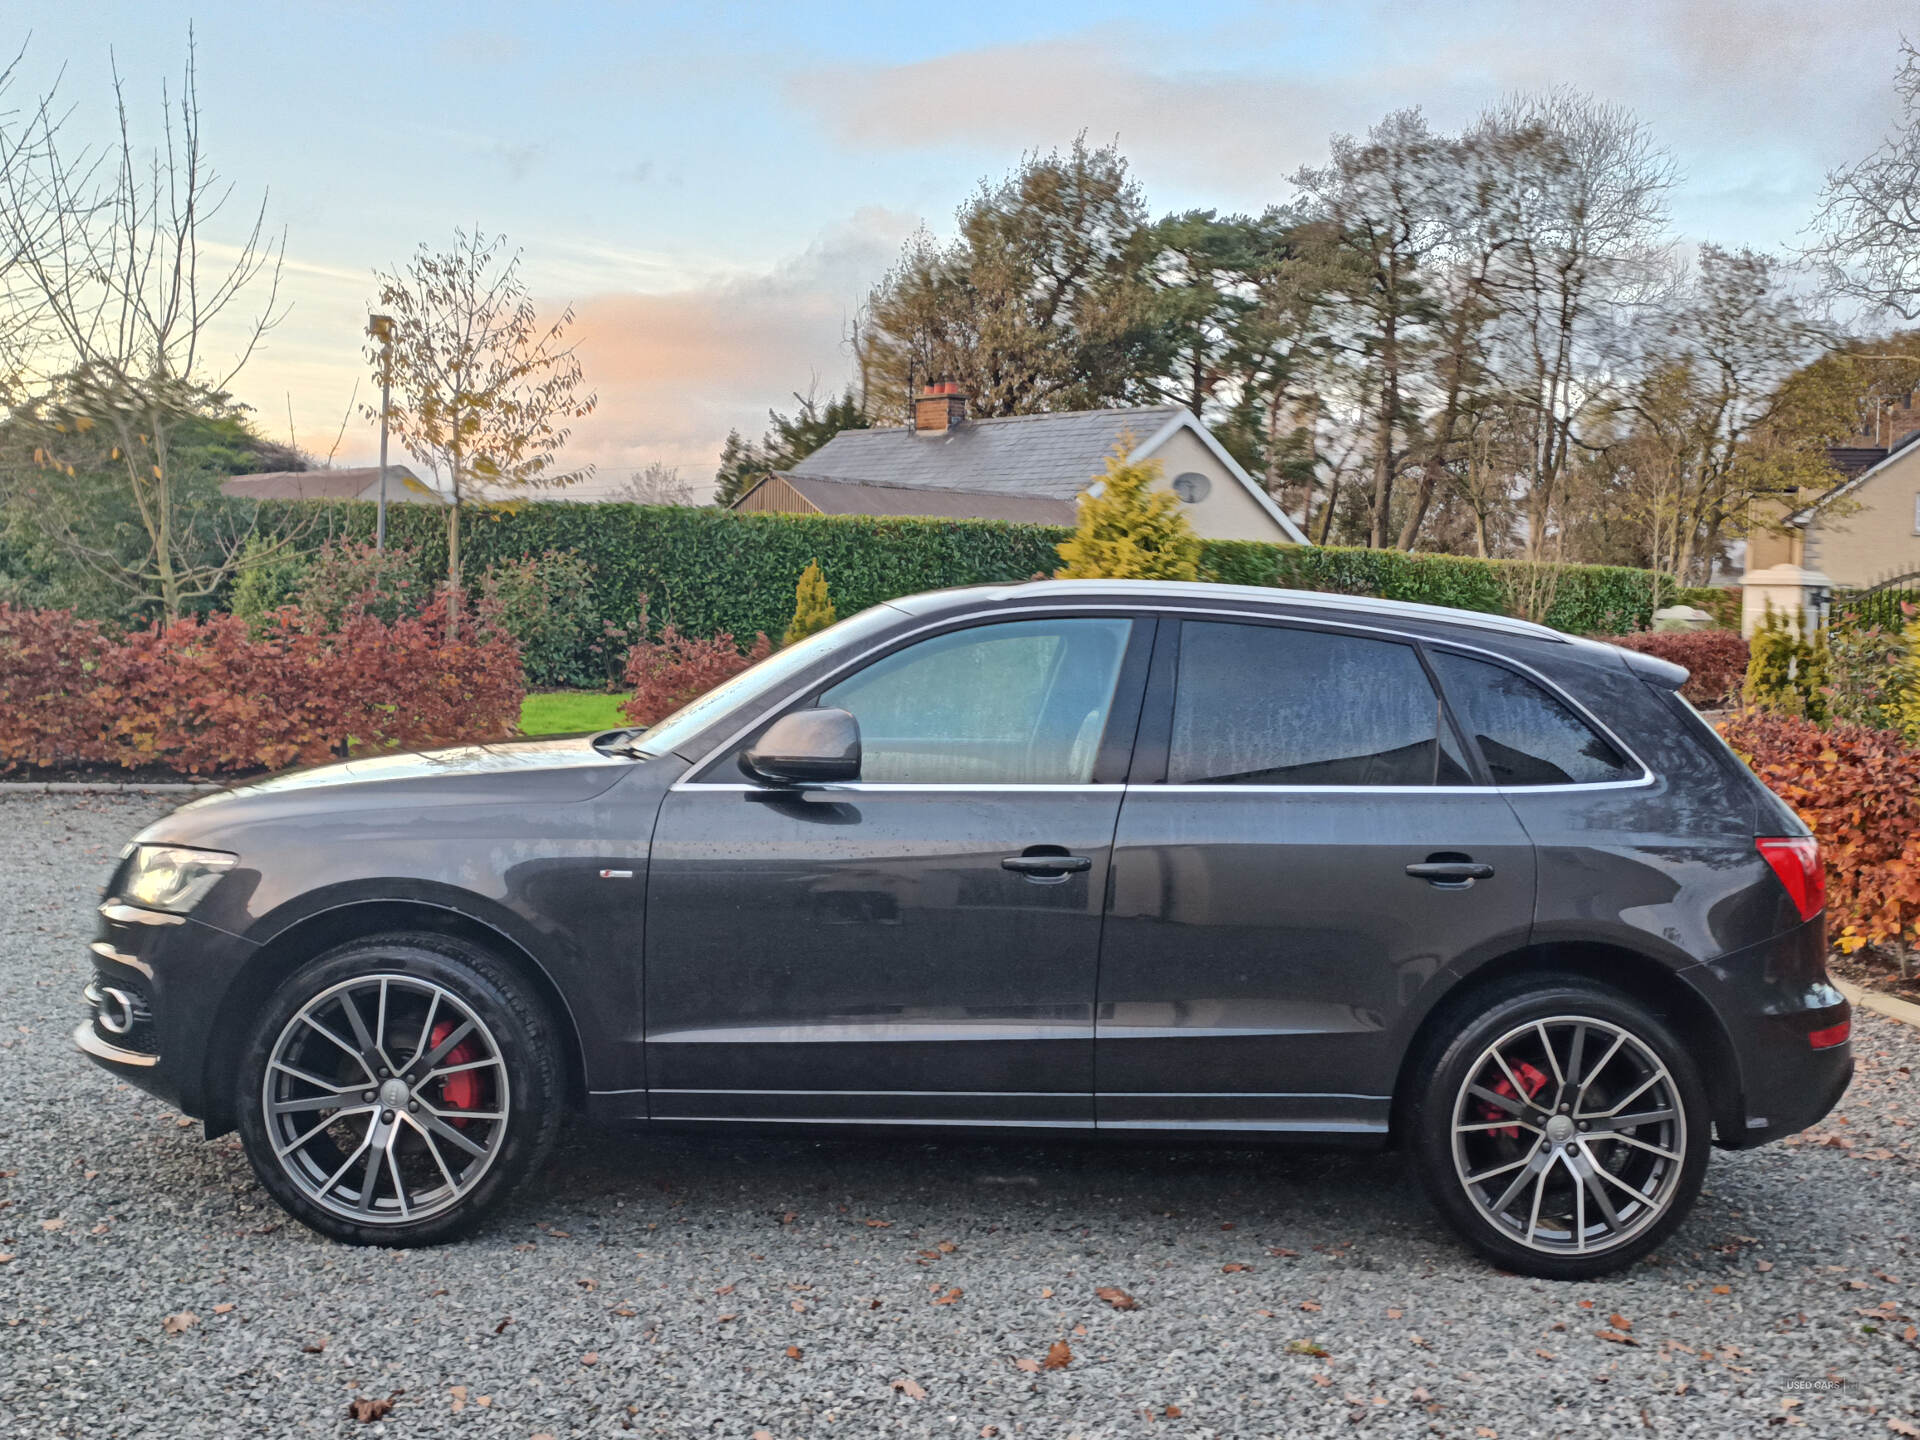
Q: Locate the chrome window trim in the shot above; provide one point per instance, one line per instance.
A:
(1161, 609)
(862, 787)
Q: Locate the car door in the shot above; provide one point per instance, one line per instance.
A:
(919, 946)
(1303, 849)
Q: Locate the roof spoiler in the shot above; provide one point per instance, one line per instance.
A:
(1654, 670)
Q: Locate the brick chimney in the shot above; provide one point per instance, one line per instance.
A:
(938, 408)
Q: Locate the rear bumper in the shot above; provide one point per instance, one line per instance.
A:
(1771, 998)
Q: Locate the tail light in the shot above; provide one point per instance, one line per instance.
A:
(1831, 1036)
(1796, 860)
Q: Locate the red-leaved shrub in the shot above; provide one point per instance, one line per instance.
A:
(1859, 790)
(205, 696)
(1717, 659)
(667, 673)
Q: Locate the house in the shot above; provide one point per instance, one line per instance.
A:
(1024, 468)
(1863, 531)
(362, 483)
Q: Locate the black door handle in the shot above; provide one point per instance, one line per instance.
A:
(1046, 864)
(1456, 872)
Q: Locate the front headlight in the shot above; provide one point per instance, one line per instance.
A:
(172, 877)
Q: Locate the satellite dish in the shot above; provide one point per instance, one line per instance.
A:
(1191, 486)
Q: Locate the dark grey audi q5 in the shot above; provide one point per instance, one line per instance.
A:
(1151, 859)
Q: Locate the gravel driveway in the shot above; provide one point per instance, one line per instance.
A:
(730, 1287)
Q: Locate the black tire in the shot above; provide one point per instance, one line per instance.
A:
(421, 996)
(1540, 1023)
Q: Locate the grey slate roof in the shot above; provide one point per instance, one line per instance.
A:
(859, 497)
(1051, 456)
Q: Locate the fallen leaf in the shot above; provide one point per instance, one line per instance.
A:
(763, 1435)
(483, 1401)
(1763, 1265)
(588, 1285)
(1117, 1298)
(946, 1247)
(1586, 1304)
(1306, 1347)
(1619, 1321)
(368, 1411)
(317, 1347)
(57, 1223)
(793, 1352)
(789, 1217)
(1309, 1304)
(723, 1319)
(1484, 1433)
(724, 1290)
(1546, 1355)
(501, 1328)
(880, 1224)
(1901, 1427)
(910, 1388)
(949, 1297)
(1059, 1356)
(1723, 1289)
(1616, 1337)
(1233, 1269)
(987, 1432)
(625, 1312)
(458, 1394)
(799, 1307)
(1032, 1367)
(1281, 1252)
(1173, 1412)
(592, 1357)
(222, 1309)
(178, 1323)
(1393, 1314)
(8, 1259)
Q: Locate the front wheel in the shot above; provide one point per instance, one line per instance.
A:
(1562, 1129)
(397, 1088)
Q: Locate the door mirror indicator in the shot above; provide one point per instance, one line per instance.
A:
(806, 746)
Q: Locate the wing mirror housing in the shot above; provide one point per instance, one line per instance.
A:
(807, 746)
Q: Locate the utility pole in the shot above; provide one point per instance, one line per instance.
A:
(380, 327)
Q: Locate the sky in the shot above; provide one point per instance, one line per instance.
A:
(713, 188)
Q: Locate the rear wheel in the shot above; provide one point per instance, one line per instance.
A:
(397, 1088)
(1563, 1129)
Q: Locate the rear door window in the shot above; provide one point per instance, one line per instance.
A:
(1525, 734)
(1272, 705)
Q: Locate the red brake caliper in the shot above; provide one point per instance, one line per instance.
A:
(462, 1091)
(1530, 1077)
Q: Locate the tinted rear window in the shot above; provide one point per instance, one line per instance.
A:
(1266, 705)
(1526, 735)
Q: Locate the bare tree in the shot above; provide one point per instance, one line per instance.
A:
(1867, 229)
(483, 390)
(1587, 214)
(1374, 221)
(116, 298)
(657, 484)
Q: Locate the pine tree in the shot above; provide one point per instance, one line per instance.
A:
(812, 605)
(1128, 530)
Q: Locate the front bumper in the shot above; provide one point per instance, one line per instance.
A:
(154, 1000)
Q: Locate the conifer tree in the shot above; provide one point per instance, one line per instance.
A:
(1128, 530)
(812, 605)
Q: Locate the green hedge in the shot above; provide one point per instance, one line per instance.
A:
(712, 570)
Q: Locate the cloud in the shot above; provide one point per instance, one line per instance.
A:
(1235, 111)
(676, 369)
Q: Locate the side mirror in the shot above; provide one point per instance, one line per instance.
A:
(808, 745)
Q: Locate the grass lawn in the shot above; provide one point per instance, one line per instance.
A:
(569, 712)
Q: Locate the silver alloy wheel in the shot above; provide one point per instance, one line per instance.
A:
(386, 1099)
(1569, 1135)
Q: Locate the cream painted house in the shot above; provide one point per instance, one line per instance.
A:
(1027, 468)
(1863, 531)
